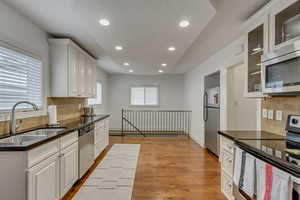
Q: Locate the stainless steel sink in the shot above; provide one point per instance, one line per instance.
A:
(44, 131)
(30, 137)
(21, 139)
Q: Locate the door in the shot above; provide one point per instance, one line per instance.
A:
(212, 125)
(43, 180)
(73, 71)
(68, 168)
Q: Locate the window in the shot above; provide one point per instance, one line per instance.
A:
(144, 96)
(20, 79)
(98, 99)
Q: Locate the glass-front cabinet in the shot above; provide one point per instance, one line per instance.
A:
(284, 24)
(255, 46)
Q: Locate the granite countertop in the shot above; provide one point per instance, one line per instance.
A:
(251, 135)
(69, 126)
(271, 148)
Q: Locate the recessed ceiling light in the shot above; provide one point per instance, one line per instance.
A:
(131, 70)
(164, 64)
(171, 48)
(119, 48)
(126, 63)
(160, 71)
(184, 23)
(104, 22)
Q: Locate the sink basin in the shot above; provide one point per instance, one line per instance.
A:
(44, 131)
(30, 137)
(21, 139)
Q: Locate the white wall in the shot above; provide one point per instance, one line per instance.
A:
(194, 86)
(240, 110)
(102, 77)
(170, 87)
(16, 30)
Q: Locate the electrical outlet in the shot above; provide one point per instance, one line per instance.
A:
(278, 115)
(265, 113)
(270, 114)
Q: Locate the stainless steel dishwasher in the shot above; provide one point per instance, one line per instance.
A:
(86, 148)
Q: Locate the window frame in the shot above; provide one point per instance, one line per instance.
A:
(97, 93)
(145, 86)
(25, 113)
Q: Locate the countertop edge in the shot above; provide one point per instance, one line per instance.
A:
(61, 134)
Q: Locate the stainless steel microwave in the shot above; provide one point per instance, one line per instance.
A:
(281, 71)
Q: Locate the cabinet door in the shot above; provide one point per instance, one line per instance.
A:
(73, 71)
(256, 45)
(68, 168)
(284, 24)
(43, 180)
(94, 82)
(81, 75)
(89, 78)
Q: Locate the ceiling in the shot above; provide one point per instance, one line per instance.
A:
(224, 28)
(144, 28)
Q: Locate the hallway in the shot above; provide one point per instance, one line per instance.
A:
(171, 168)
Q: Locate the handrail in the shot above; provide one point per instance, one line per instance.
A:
(156, 122)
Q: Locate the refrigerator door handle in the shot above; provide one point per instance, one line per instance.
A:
(205, 106)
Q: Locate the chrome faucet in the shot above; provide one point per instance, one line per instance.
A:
(13, 118)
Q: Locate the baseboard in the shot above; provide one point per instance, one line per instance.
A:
(197, 141)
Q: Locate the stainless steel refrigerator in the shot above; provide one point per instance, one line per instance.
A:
(211, 112)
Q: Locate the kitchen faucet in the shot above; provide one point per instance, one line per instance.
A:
(13, 118)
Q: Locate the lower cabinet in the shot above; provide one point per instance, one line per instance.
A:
(52, 178)
(68, 168)
(227, 165)
(43, 180)
(101, 136)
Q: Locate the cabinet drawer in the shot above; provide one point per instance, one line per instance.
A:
(227, 185)
(227, 163)
(42, 152)
(227, 144)
(68, 139)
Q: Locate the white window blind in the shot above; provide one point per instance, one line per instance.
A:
(20, 79)
(144, 96)
(98, 99)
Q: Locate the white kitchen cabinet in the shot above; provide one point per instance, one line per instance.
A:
(101, 136)
(284, 24)
(256, 44)
(43, 180)
(44, 172)
(227, 165)
(71, 69)
(68, 168)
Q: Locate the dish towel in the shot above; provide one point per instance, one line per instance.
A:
(272, 183)
(244, 171)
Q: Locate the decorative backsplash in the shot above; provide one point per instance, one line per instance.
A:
(67, 109)
(288, 105)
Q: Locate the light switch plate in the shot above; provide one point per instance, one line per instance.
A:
(278, 115)
(265, 113)
(270, 114)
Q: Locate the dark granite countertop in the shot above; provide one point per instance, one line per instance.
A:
(251, 135)
(271, 148)
(69, 126)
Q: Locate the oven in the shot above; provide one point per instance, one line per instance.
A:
(281, 70)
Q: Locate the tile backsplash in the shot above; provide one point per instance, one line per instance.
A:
(288, 105)
(67, 109)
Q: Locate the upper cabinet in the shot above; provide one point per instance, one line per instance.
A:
(72, 70)
(284, 24)
(256, 44)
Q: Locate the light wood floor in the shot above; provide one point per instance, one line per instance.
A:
(170, 168)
